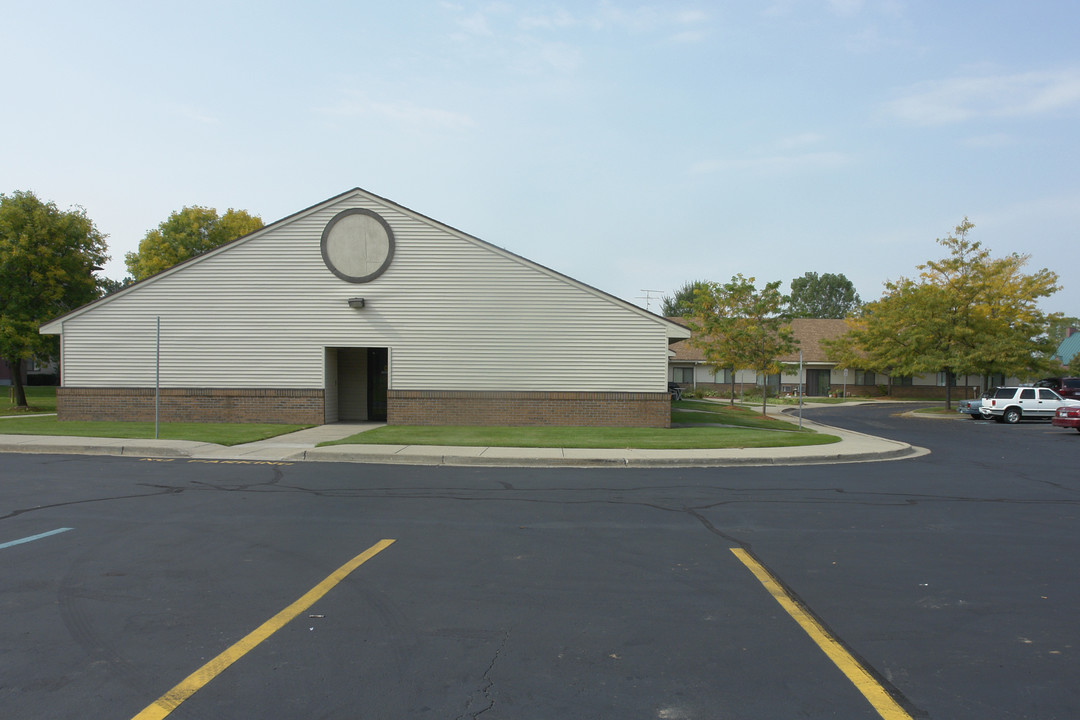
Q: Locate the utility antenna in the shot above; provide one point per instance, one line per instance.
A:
(649, 296)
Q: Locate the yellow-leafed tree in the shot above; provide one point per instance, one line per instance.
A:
(186, 233)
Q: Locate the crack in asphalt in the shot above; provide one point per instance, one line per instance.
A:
(487, 684)
(278, 475)
(484, 697)
(164, 490)
(507, 492)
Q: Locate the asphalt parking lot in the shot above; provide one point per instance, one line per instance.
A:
(951, 579)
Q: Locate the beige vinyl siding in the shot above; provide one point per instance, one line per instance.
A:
(457, 314)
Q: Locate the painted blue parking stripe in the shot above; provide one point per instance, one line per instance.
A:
(32, 538)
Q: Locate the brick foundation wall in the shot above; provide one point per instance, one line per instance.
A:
(604, 409)
(231, 405)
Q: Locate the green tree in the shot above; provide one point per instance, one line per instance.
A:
(886, 336)
(823, 296)
(107, 286)
(1059, 327)
(682, 301)
(186, 233)
(967, 314)
(47, 262)
(1074, 365)
(739, 327)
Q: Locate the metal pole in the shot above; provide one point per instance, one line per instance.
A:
(157, 377)
(800, 388)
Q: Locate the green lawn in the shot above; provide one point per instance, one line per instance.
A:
(40, 400)
(746, 428)
(703, 412)
(220, 433)
(753, 431)
(584, 437)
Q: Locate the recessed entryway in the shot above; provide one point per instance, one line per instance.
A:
(356, 383)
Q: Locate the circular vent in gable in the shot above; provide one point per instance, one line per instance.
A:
(357, 245)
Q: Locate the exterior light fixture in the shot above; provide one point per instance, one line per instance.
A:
(356, 302)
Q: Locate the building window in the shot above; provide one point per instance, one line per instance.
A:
(683, 375)
(722, 376)
(946, 378)
(863, 377)
(901, 380)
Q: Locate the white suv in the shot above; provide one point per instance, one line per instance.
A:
(1011, 404)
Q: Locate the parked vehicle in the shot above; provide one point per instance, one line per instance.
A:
(1065, 387)
(971, 407)
(1013, 404)
(1067, 417)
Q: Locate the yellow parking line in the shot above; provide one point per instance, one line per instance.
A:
(195, 681)
(864, 682)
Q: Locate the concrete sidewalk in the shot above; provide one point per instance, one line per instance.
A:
(301, 446)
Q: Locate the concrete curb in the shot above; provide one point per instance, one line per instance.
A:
(91, 449)
(302, 447)
(496, 459)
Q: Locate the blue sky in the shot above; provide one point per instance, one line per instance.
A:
(632, 146)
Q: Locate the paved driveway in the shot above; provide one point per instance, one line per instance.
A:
(951, 580)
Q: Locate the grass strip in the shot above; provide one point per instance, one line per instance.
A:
(219, 433)
(696, 412)
(40, 400)
(690, 438)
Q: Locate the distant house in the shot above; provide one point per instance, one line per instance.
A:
(358, 308)
(1069, 347)
(821, 376)
(34, 372)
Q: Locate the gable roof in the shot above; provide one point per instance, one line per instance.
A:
(1068, 348)
(674, 330)
(808, 331)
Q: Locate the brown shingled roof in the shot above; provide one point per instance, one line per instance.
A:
(808, 331)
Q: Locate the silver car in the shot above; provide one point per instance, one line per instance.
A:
(971, 407)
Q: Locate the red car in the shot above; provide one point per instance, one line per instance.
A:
(1065, 387)
(1067, 417)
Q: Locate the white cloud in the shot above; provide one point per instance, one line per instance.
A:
(535, 57)
(475, 24)
(688, 36)
(608, 15)
(635, 19)
(839, 8)
(955, 100)
(691, 17)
